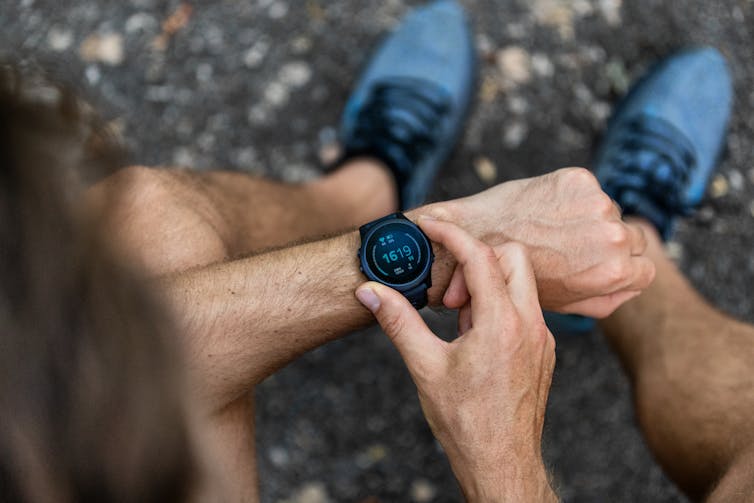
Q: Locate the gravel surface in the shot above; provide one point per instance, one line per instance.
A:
(259, 85)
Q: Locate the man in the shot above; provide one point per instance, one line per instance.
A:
(244, 318)
(690, 365)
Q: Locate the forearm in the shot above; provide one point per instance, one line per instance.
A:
(514, 484)
(247, 318)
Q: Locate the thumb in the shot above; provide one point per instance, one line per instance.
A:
(416, 343)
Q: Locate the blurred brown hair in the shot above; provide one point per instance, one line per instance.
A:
(91, 404)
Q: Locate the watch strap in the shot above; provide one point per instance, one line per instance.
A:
(417, 296)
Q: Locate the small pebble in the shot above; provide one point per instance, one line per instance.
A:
(313, 492)
(141, 21)
(736, 180)
(556, 14)
(422, 491)
(542, 65)
(617, 76)
(204, 72)
(301, 45)
(514, 64)
(254, 56)
(517, 105)
(720, 186)
(278, 456)
(107, 49)
(611, 11)
(486, 170)
(516, 30)
(484, 45)
(59, 39)
(706, 214)
(278, 10)
(258, 114)
(489, 89)
(515, 133)
(277, 94)
(295, 74)
(377, 453)
(184, 157)
(92, 75)
(600, 111)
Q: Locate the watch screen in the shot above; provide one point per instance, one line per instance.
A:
(397, 253)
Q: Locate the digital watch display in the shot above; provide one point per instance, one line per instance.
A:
(395, 252)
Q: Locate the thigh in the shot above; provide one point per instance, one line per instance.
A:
(737, 484)
(159, 219)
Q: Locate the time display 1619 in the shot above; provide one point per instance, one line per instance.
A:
(395, 255)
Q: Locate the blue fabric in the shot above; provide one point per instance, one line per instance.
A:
(665, 138)
(409, 105)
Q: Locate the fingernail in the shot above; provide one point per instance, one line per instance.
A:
(426, 217)
(367, 297)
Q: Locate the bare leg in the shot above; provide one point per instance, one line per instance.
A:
(692, 371)
(172, 220)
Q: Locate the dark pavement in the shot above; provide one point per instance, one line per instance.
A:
(259, 85)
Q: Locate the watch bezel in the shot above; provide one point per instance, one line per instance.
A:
(421, 279)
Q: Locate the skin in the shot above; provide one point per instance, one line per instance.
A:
(245, 312)
(484, 394)
(690, 366)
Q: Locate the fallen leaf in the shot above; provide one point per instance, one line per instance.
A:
(172, 25)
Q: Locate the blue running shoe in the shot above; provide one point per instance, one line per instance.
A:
(665, 138)
(662, 145)
(409, 106)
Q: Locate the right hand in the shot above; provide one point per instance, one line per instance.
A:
(484, 394)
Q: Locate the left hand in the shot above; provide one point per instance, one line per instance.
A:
(586, 259)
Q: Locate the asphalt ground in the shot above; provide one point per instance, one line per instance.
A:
(258, 86)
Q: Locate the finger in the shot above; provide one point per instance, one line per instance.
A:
(456, 295)
(481, 271)
(634, 273)
(643, 273)
(637, 239)
(416, 343)
(519, 276)
(599, 307)
(464, 319)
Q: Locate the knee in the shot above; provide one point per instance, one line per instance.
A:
(158, 219)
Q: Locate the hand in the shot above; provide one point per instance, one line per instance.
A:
(586, 259)
(484, 394)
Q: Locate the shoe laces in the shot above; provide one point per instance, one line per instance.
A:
(400, 122)
(651, 165)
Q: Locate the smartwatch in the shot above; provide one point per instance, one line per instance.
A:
(395, 252)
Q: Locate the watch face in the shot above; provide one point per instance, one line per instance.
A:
(397, 253)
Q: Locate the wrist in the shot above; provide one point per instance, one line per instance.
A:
(508, 484)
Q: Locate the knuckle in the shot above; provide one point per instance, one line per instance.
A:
(617, 234)
(486, 253)
(514, 251)
(603, 206)
(580, 177)
(617, 271)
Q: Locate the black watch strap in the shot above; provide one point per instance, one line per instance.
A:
(417, 296)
